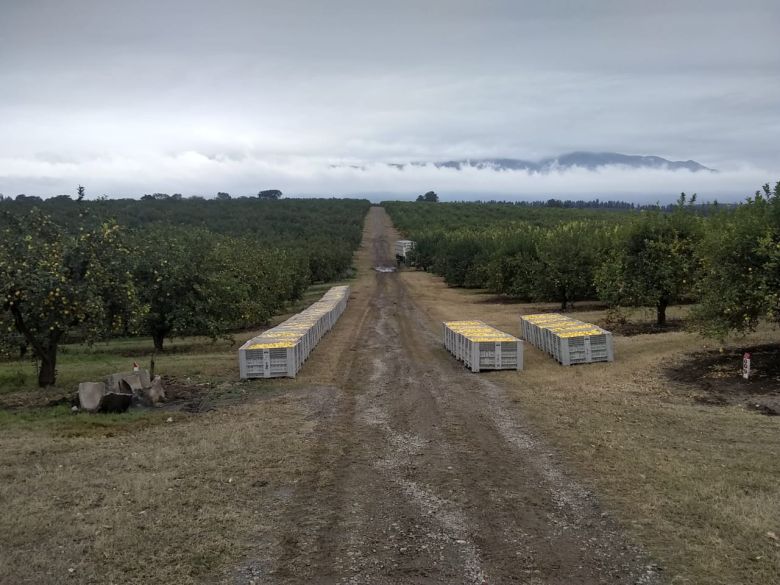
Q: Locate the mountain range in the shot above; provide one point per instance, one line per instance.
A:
(582, 159)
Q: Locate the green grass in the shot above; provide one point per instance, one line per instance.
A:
(60, 420)
(184, 357)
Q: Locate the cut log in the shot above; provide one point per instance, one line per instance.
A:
(156, 393)
(137, 381)
(144, 377)
(91, 395)
(115, 402)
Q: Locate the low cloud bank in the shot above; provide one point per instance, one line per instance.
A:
(193, 173)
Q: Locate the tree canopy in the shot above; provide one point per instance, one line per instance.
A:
(430, 197)
(270, 194)
(194, 282)
(653, 262)
(723, 259)
(164, 267)
(740, 281)
(567, 256)
(55, 283)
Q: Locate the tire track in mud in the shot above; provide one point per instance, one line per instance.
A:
(423, 472)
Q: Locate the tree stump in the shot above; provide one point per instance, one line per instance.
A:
(91, 395)
(156, 393)
(115, 402)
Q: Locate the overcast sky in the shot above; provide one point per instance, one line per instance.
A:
(132, 97)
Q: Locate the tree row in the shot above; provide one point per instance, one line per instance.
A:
(724, 260)
(81, 275)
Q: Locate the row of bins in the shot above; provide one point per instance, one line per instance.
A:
(281, 351)
(568, 340)
(481, 347)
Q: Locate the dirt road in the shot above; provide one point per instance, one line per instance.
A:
(423, 472)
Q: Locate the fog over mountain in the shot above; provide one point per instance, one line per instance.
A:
(585, 160)
(195, 97)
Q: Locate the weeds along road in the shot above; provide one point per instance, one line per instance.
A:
(423, 472)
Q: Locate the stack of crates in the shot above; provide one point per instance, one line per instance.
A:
(281, 351)
(402, 248)
(481, 347)
(568, 340)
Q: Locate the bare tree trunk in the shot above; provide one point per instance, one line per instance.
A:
(45, 351)
(661, 312)
(159, 338)
(48, 372)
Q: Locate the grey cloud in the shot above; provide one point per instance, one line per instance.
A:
(258, 84)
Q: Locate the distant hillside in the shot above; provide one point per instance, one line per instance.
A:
(587, 160)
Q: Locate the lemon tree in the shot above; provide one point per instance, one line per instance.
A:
(56, 284)
(741, 276)
(653, 262)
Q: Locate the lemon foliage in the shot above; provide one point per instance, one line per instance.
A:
(161, 266)
(740, 282)
(55, 283)
(723, 259)
(195, 282)
(653, 261)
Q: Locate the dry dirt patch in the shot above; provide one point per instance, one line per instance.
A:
(631, 328)
(717, 375)
(165, 504)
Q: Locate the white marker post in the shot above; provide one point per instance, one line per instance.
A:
(746, 366)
